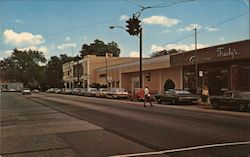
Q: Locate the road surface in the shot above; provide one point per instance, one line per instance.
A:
(64, 125)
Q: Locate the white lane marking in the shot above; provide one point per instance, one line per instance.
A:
(184, 149)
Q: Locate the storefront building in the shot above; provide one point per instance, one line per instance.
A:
(221, 67)
(82, 73)
(155, 71)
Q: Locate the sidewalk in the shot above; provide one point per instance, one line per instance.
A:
(200, 108)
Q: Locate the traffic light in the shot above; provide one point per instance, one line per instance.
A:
(136, 26)
(129, 26)
(133, 25)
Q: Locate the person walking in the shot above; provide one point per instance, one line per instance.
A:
(147, 96)
(204, 96)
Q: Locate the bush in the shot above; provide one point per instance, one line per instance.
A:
(169, 84)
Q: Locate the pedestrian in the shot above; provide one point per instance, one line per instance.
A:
(147, 96)
(204, 96)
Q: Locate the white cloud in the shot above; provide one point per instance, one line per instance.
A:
(211, 29)
(134, 54)
(68, 38)
(190, 27)
(222, 38)
(22, 39)
(161, 20)
(166, 31)
(124, 17)
(18, 21)
(185, 47)
(43, 49)
(66, 46)
(156, 48)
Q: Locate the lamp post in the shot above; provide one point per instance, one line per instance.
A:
(140, 47)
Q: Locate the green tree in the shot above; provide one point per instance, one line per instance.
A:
(23, 66)
(166, 52)
(54, 71)
(169, 84)
(99, 48)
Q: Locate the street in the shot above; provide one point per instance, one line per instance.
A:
(65, 125)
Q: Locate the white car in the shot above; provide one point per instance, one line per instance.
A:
(117, 93)
(102, 92)
(26, 91)
(90, 92)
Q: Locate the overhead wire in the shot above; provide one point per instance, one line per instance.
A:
(205, 30)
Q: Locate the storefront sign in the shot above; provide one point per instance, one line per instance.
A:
(226, 52)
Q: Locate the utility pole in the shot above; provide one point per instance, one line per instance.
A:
(140, 57)
(106, 70)
(134, 28)
(78, 73)
(196, 66)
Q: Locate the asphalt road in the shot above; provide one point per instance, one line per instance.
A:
(63, 125)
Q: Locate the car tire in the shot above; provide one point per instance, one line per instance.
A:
(215, 105)
(243, 108)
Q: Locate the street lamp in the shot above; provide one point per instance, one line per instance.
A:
(140, 65)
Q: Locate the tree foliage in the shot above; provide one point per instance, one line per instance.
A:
(54, 71)
(166, 52)
(99, 48)
(169, 84)
(23, 66)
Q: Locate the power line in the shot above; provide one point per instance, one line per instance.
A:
(205, 30)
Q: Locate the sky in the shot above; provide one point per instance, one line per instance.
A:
(62, 26)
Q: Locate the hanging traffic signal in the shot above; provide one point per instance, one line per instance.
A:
(130, 26)
(136, 26)
(133, 25)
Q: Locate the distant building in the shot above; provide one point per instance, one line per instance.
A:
(82, 73)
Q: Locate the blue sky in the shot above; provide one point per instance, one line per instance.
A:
(63, 26)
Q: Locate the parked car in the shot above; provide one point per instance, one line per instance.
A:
(102, 92)
(90, 92)
(239, 99)
(137, 95)
(26, 91)
(176, 96)
(67, 91)
(35, 91)
(117, 93)
(76, 91)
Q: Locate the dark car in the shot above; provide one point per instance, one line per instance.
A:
(239, 99)
(176, 96)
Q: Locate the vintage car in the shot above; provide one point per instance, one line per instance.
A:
(90, 92)
(239, 99)
(26, 91)
(176, 96)
(137, 95)
(117, 93)
(101, 92)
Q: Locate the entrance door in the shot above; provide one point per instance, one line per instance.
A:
(135, 83)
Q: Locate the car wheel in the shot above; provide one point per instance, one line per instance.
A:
(243, 108)
(215, 105)
(159, 101)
